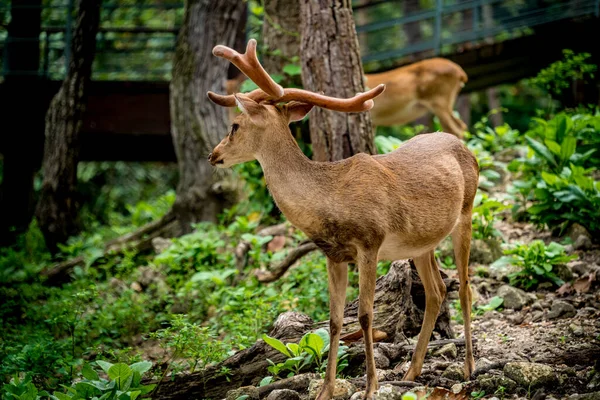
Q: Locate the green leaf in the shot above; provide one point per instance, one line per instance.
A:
(495, 302)
(104, 365)
(88, 372)
(313, 342)
(120, 373)
(541, 150)
(141, 367)
(293, 348)
(553, 146)
(265, 381)
(61, 396)
(550, 179)
(276, 344)
(562, 127)
(292, 69)
(242, 397)
(567, 148)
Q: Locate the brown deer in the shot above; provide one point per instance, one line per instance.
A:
(361, 209)
(413, 90)
(410, 92)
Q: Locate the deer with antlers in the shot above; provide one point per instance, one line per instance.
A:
(361, 209)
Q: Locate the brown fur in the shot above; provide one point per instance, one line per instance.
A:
(413, 90)
(365, 208)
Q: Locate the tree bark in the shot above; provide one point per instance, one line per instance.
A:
(22, 115)
(331, 63)
(281, 36)
(399, 308)
(197, 124)
(57, 210)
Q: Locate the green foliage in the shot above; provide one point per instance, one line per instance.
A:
(484, 215)
(21, 389)
(559, 75)
(387, 144)
(196, 344)
(309, 351)
(535, 263)
(492, 139)
(494, 303)
(124, 383)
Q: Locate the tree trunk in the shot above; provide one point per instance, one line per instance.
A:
(197, 124)
(57, 210)
(398, 312)
(22, 115)
(331, 63)
(494, 104)
(281, 36)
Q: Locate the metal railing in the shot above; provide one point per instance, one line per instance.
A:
(388, 31)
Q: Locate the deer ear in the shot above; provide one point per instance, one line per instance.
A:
(248, 106)
(297, 110)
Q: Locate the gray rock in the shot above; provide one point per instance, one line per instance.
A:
(484, 252)
(283, 394)
(537, 316)
(537, 306)
(586, 396)
(455, 372)
(160, 244)
(577, 330)
(562, 309)
(482, 363)
(563, 272)
(251, 391)
(490, 383)
(583, 242)
(343, 389)
(529, 375)
(449, 350)
(579, 267)
(577, 230)
(513, 298)
(457, 388)
(381, 361)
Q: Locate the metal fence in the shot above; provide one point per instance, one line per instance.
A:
(137, 38)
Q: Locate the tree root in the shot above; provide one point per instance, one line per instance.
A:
(277, 272)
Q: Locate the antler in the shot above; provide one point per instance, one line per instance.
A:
(271, 91)
(248, 63)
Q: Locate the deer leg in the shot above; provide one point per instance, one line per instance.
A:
(448, 121)
(435, 291)
(461, 240)
(338, 281)
(367, 275)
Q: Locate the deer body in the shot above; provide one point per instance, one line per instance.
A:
(411, 91)
(361, 209)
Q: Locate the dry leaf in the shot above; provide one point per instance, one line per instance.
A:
(276, 244)
(583, 284)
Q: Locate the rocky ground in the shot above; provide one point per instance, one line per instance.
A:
(541, 345)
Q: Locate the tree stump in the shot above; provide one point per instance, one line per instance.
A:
(398, 312)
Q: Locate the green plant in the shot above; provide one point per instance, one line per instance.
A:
(478, 394)
(21, 389)
(124, 383)
(535, 263)
(484, 215)
(310, 350)
(559, 75)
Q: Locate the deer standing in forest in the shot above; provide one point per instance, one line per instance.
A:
(410, 92)
(361, 209)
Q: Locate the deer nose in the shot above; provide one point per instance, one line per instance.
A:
(210, 156)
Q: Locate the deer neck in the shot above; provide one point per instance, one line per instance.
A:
(292, 178)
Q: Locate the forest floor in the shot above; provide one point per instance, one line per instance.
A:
(542, 344)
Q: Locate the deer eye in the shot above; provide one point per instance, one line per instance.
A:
(234, 129)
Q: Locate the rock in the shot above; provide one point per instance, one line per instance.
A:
(563, 272)
(449, 350)
(577, 330)
(586, 396)
(283, 394)
(582, 243)
(160, 244)
(513, 298)
(454, 372)
(579, 267)
(250, 391)
(381, 361)
(545, 286)
(529, 375)
(537, 316)
(537, 306)
(482, 363)
(457, 388)
(561, 309)
(516, 319)
(343, 389)
(490, 383)
(576, 230)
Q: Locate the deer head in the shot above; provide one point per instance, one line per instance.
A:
(262, 112)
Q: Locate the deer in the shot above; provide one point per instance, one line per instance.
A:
(430, 85)
(412, 91)
(361, 209)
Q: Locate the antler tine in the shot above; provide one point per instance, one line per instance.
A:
(248, 63)
(360, 102)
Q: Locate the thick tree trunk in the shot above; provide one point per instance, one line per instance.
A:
(22, 116)
(197, 124)
(331, 63)
(281, 34)
(399, 308)
(57, 210)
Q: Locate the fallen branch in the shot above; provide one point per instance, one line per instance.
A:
(293, 256)
(243, 248)
(139, 240)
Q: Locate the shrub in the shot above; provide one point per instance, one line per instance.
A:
(535, 262)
